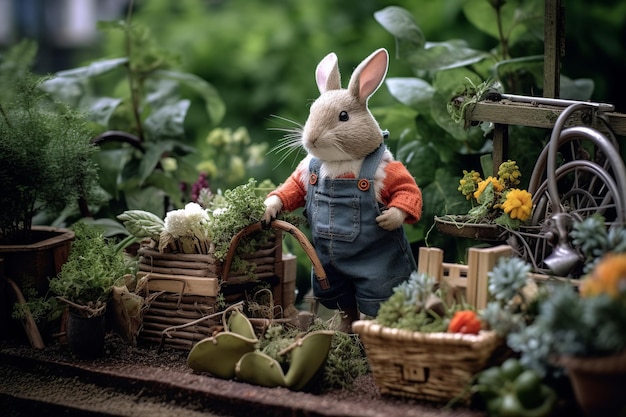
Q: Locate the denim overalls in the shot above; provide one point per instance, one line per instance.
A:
(363, 261)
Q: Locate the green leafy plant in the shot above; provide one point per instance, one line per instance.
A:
(345, 360)
(94, 265)
(40, 307)
(45, 152)
(138, 104)
(429, 130)
(209, 229)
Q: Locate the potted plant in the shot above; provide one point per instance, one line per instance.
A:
(576, 329)
(85, 284)
(45, 164)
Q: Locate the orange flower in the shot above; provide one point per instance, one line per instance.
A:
(465, 321)
(518, 204)
(608, 277)
(497, 186)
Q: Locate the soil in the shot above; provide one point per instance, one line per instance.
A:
(129, 380)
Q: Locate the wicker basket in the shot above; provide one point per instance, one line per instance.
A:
(185, 291)
(434, 367)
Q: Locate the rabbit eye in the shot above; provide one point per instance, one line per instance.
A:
(343, 116)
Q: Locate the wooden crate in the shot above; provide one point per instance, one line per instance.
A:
(185, 293)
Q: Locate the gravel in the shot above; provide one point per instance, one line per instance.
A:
(146, 381)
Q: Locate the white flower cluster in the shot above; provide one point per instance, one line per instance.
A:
(192, 221)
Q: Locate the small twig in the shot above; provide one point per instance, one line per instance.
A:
(165, 332)
(30, 327)
(90, 311)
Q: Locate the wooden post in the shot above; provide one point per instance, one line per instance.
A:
(500, 151)
(430, 262)
(553, 47)
(480, 262)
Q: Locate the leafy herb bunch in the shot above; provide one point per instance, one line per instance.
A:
(94, 265)
(45, 151)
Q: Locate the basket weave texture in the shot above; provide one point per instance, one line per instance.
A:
(182, 288)
(435, 367)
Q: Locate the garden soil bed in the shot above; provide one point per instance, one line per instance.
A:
(138, 381)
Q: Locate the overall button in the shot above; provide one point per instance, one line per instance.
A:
(363, 184)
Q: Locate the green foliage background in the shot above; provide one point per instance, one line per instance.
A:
(260, 55)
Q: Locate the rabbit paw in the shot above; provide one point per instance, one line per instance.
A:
(273, 206)
(391, 219)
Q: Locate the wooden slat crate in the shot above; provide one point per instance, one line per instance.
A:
(185, 291)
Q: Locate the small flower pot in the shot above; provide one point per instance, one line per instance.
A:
(598, 383)
(85, 335)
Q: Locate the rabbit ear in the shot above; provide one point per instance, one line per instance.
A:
(327, 74)
(368, 76)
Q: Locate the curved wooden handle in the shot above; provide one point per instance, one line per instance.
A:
(320, 274)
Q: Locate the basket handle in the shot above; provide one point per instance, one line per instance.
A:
(320, 274)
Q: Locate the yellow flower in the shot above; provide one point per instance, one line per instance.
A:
(518, 204)
(608, 277)
(497, 186)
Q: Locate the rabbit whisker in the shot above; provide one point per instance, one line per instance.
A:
(290, 143)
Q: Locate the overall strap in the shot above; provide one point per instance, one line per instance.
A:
(371, 162)
(314, 170)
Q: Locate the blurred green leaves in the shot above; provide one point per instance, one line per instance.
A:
(138, 104)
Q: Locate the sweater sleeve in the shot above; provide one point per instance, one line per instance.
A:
(292, 192)
(401, 191)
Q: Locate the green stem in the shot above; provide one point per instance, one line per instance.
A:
(503, 41)
(134, 89)
(4, 116)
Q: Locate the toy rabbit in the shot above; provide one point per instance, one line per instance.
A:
(356, 197)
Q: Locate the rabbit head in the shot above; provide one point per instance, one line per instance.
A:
(340, 126)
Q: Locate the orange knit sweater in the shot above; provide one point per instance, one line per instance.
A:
(399, 190)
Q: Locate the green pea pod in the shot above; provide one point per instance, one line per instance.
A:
(510, 406)
(491, 377)
(511, 369)
(528, 389)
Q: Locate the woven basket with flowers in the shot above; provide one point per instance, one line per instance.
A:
(189, 269)
(497, 205)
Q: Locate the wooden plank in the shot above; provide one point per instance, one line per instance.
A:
(536, 115)
(290, 268)
(455, 275)
(472, 275)
(181, 284)
(430, 262)
(543, 279)
(481, 261)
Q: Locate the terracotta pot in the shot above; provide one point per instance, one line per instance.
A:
(30, 265)
(85, 335)
(599, 383)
